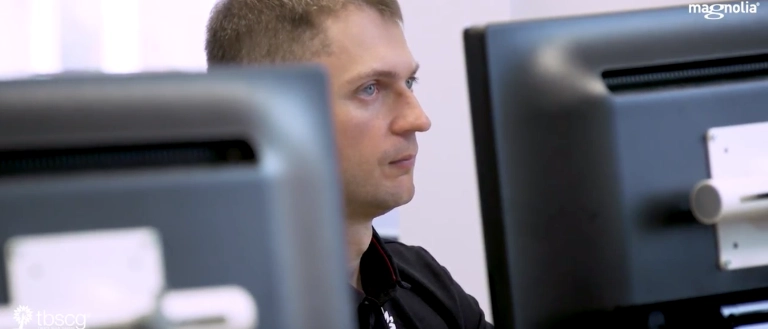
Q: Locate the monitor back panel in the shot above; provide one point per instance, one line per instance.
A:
(585, 181)
(235, 170)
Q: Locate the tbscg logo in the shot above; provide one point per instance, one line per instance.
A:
(27, 319)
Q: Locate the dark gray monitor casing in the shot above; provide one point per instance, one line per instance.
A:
(274, 227)
(584, 191)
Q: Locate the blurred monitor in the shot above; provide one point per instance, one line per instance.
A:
(182, 192)
(591, 133)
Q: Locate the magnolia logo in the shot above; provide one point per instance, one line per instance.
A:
(23, 315)
(718, 11)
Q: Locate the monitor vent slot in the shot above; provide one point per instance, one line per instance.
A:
(48, 161)
(686, 74)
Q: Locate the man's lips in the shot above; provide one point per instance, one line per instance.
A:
(406, 161)
(406, 157)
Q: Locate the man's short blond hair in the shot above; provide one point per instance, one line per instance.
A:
(277, 31)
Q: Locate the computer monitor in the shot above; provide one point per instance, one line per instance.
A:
(232, 174)
(590, 135)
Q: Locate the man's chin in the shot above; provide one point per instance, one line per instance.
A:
(401, 192)
(408, 197)
(386, 205)
(402, 199)
(382, 201)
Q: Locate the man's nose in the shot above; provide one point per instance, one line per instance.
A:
(411, 117)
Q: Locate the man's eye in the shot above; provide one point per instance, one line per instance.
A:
(410, 82)
(369, 90)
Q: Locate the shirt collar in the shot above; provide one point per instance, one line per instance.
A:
(378, 272)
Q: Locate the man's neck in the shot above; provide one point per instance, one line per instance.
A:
(359, 234)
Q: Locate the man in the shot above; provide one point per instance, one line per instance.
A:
(377, 116)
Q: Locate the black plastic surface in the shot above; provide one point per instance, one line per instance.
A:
(273, 226)
(584, 191)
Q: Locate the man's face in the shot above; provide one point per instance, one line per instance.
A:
(376, 113)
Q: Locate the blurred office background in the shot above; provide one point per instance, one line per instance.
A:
(123, 36)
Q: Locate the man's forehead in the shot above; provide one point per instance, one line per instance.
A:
(363, 43)
(363, 30)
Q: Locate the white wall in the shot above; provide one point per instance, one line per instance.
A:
(14, 48)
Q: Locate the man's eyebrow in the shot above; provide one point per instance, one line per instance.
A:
(382, 74)
(415, 69)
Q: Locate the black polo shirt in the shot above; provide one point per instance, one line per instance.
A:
(404, 287)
